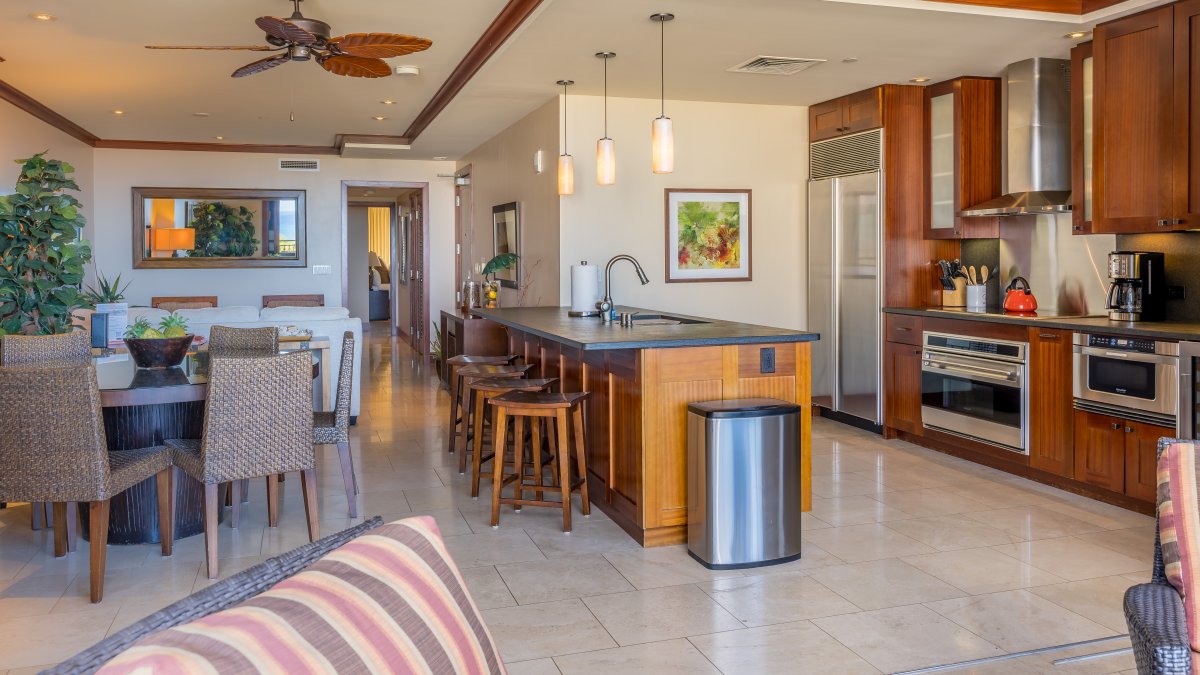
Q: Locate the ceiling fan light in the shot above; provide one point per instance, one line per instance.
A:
(566, 175)
(662, 145)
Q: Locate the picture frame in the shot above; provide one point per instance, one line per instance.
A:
(708, 235)
(506, 238)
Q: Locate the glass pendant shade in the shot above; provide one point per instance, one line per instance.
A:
(662, 146)
(606, 161)
(566, 175)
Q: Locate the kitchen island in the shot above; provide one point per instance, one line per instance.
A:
(641, 379)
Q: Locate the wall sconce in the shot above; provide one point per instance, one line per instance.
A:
(537, 162)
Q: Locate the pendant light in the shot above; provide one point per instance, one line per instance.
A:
(662, 133)
(606, 150)
(566, 163)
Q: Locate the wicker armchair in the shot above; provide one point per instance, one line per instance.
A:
(1155, 616)
(18, 350)
(223, 339)
(258, 422)
(333, 428)
(54, 449)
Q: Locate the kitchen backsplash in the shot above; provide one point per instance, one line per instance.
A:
(1182, 261)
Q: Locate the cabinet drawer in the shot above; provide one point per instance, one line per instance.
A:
(904, 329)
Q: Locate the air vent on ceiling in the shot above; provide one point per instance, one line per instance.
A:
(299, 165)
(775, 65)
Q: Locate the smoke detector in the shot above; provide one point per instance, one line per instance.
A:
(775, 65)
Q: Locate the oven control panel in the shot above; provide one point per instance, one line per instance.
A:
(1125, 344)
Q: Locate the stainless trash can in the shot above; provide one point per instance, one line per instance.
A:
(743, 482)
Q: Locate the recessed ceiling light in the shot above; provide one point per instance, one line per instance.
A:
(388, 101)
(118, 111)
(919, 80)
(379, 118)
(219, 138)
(202, 114)
(849, 59)
(408, 70)
(42, 16)
(439, 158)
(1076, 34)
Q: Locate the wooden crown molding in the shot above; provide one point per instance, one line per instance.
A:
(1077, 7)
(514, 14)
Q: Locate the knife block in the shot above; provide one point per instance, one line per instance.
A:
(956, 297)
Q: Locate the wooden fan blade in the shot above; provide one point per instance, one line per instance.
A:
(261, 65)
(378, 45)
(259, 48)
(355, 66)
(285, 30)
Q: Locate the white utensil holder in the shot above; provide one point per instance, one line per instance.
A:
(976, 296)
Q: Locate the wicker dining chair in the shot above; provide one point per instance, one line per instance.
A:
(17, 350)
(258, 422)
(54, 449)
(333, 428)
(224, 338)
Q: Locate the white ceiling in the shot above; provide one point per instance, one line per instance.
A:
(95, 57)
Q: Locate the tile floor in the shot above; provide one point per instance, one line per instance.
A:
(911, 559)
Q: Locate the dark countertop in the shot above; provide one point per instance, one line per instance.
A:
(590, 333)
(1164, 330)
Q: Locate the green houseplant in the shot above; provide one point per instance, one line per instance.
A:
(491, 289)
(106, 291)
(223, 231)
(42, 253)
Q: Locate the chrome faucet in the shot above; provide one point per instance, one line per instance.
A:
(606, 305)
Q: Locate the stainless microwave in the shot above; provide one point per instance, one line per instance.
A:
(1131, 376)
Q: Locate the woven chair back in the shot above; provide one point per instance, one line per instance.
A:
(53, 447)
(19, 350)
(225, 339)
(258, 418)
(345, 388)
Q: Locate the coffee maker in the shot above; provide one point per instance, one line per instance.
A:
(1138, 291)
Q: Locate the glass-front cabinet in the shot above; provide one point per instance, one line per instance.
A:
(1082, 148)
(941, 163)
(962, 147)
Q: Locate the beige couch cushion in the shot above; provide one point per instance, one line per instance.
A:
(220, 315)
(304, 313)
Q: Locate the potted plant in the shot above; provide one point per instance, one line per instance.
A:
(41, 251)
(491, 289)
(223, 231)
(108, 297)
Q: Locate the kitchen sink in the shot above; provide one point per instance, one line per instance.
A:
(664, 320)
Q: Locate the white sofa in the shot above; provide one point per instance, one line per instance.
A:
(331, 322)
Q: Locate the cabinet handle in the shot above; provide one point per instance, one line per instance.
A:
(1048, 336)
(1129, 430)
(903, 328)
(1163, 222)
(1178, 221)
(1116, 425)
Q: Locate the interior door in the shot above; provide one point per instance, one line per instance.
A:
(1187, 115)
(856, 248)
(821, 300)
(416, 276)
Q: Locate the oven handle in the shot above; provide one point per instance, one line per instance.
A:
(1007, 375)
(1167, 359)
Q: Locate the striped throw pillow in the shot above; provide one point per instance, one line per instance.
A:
(390, 601)
(1179, 529)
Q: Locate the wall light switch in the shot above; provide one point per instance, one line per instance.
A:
(322, 270)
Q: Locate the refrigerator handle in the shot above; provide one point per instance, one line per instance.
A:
(1185, 425)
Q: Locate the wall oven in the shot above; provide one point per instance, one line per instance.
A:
(1131, 377)
(976, 388)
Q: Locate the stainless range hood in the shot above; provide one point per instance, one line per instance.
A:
(1037, 141)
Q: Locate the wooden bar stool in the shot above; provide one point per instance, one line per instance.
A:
(456, 363)
(482, 391)
(522, 405)
(468, 374)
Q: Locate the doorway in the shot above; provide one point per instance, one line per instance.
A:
(384, 258)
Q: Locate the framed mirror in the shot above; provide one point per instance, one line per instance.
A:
(216, 227)
(506, 238)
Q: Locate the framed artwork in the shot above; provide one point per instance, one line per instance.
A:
(506, 238)
(708, 235)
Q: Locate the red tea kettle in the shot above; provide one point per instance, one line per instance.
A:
(1019, 296)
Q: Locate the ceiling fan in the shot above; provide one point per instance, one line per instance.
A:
(298, 38)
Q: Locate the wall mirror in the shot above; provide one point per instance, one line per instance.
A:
(213, 227)
(506, 238)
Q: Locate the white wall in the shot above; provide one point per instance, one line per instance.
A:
(357, 226)
(117, 171)
(717, 145)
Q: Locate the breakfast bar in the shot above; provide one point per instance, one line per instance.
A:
(641, 379)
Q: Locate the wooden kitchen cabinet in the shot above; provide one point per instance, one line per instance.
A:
(902, 384)
(1141, 459)
(1082, 137)
(962, 156)
(1051, 432)
(1186, 142)
(849, 114)
(1118, 454)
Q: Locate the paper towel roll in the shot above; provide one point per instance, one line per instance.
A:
(585, 287)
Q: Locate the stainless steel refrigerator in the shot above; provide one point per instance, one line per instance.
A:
(845, 194)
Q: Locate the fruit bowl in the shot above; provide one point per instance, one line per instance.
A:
(158, 352)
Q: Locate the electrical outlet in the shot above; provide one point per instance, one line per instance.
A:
(322, 270)
(766, 360)
(1176, 292)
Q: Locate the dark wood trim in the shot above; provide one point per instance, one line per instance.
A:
(158, 300)
(1079, 7)
(748, 248)
(502, 28)
(1089, 6)
(318, 298)
(27, 103)
(214, 147)
(341, 140)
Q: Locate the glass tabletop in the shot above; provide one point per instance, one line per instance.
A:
(118, 372)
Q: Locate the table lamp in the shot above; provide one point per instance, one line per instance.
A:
(174, 239)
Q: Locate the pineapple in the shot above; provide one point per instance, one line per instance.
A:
(152, 334)
(138, 328)
(173, 326)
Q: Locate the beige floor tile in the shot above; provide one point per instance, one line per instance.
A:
(133, 611)
(450, 522)
(930, 502)
(1034, 522)
(1002, 494)
(812, 557)
(32, 640)
(1136, 542)
(587, 537)
(34, 670)
(492, 548)
(903, 638)
(534, 667)
(777, 598)
(537, 631)
(844, 485)
(884, 583)
(952, 532)
(981, 570)
(32, 595)
(660, 614)
(1101, 600)
(657, 658)
(1098, 513)
(782, 648)
(663, 566)
(562, 578)
(1019, 620)
(165, 584)
(858, 543)
(1043, 663)
(1072, 559)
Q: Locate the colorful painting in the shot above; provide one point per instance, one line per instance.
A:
(708, 235)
